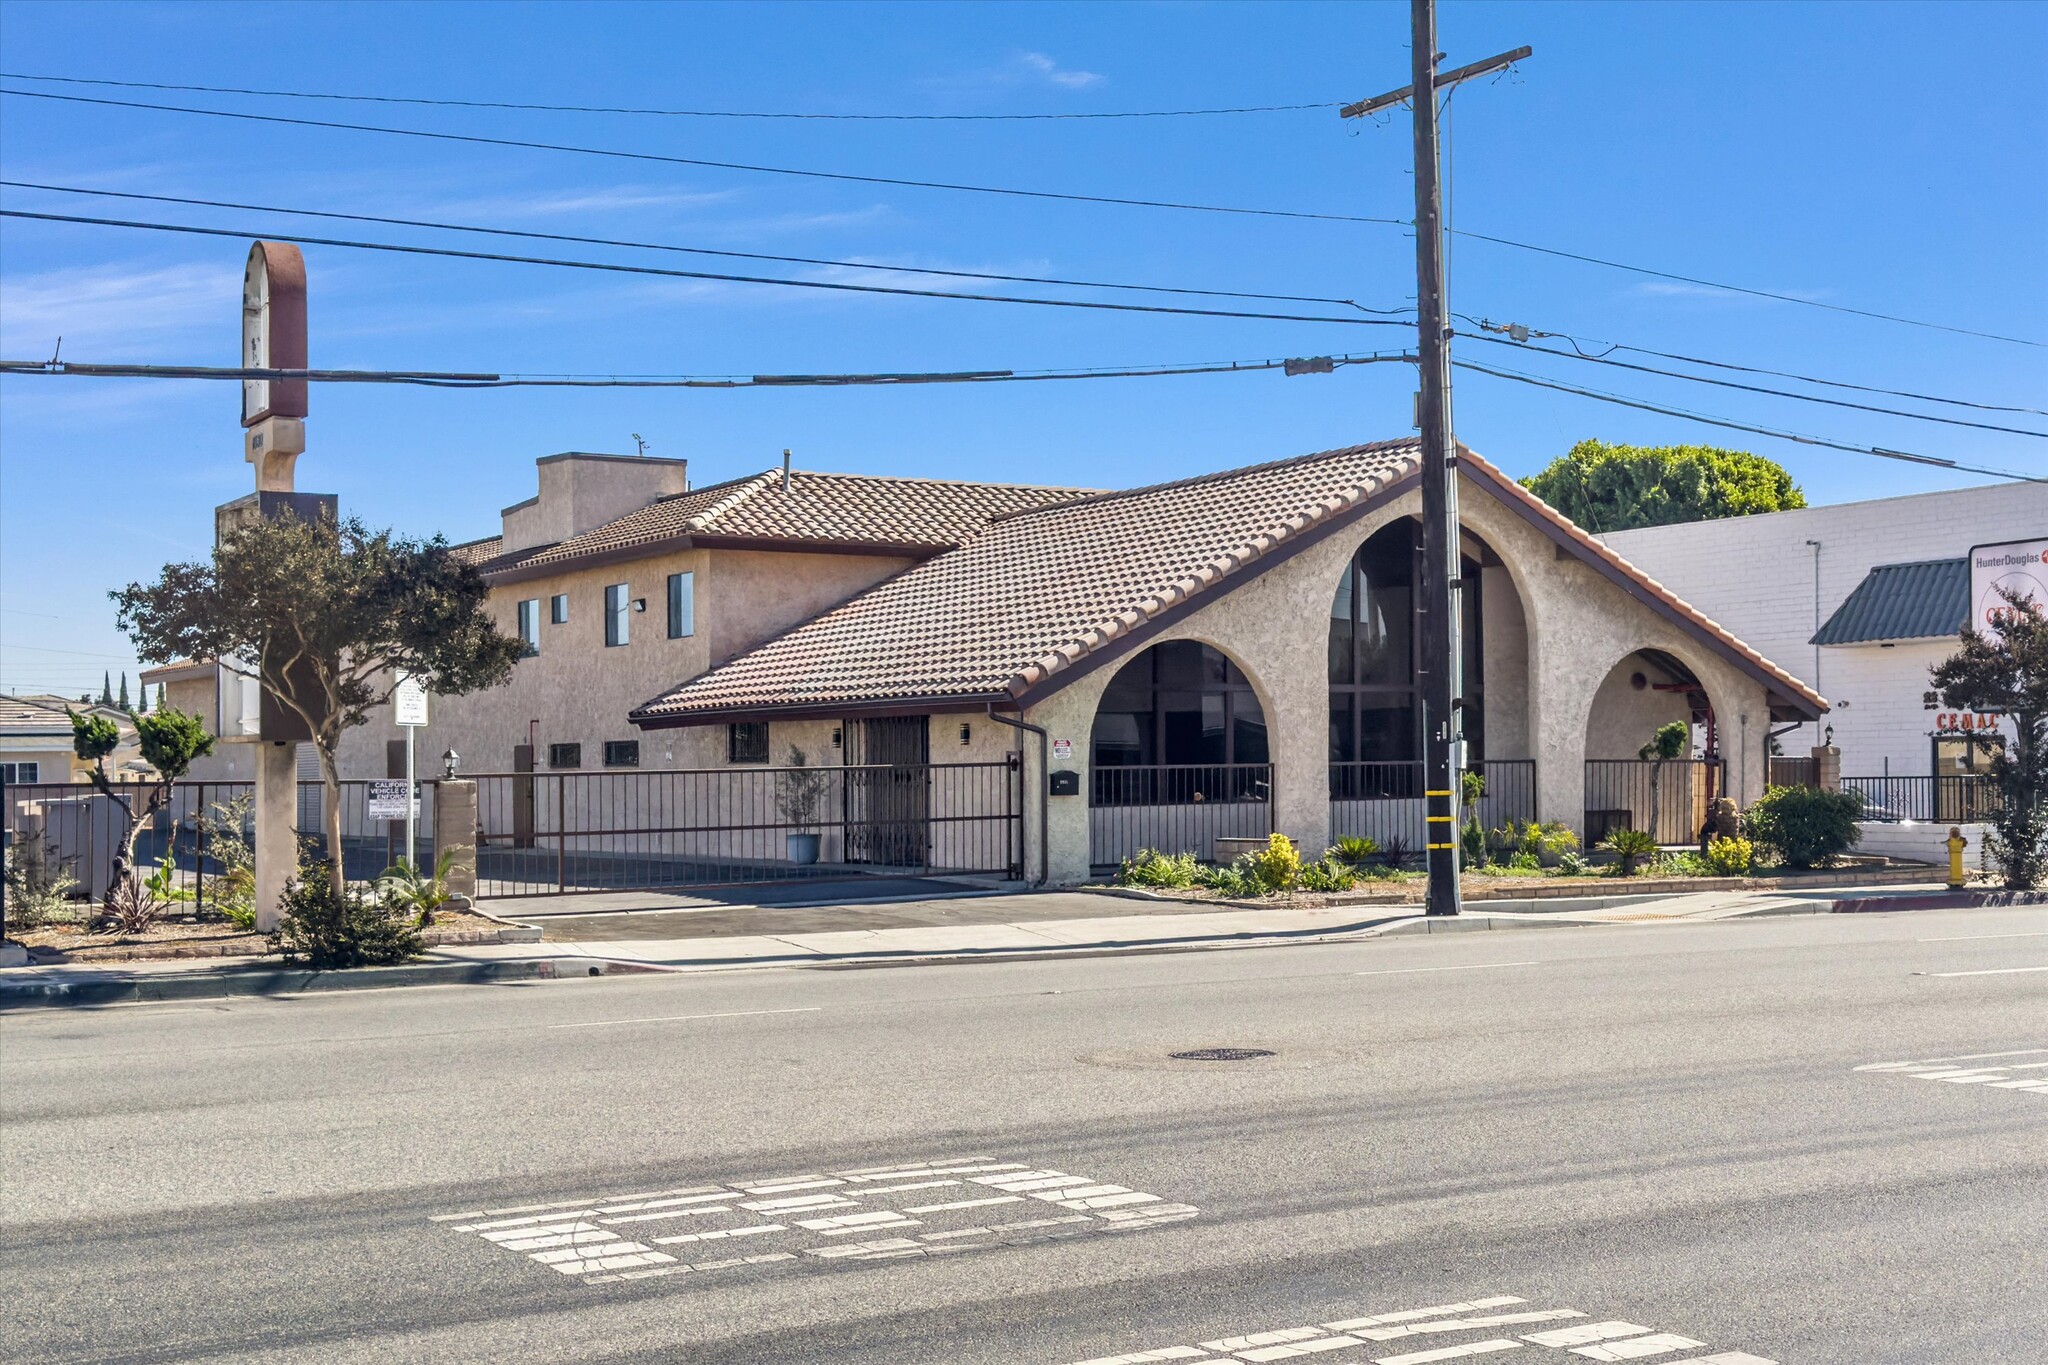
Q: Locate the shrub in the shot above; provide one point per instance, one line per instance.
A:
(1472, 845)
(1525, 862)
(1354, 851)
(1551, 841)
(325, 928)
(1686, 864)
(1731, 857)
(38, 889)
(1150, 867)
(402, 887)
(1394, 850)
(1629, 846)
(1280, 863)
(224, 837)
(1808, 826)
(1328, 873)
(1471, 787)
(1240, 878)
(1570, 864)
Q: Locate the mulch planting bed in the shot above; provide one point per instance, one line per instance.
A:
(175, 938)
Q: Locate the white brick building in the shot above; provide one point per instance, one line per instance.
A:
(1776, 579)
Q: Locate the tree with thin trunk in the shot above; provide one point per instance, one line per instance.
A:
(1668, 742)
(2004, 671)
(331, 615)
(170, 740)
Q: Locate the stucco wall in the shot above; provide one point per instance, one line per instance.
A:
(1622, 719)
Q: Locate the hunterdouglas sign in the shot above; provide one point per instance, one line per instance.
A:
(2016, 564)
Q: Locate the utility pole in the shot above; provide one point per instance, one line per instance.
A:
(1442, 668)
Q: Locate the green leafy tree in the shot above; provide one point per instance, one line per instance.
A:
(170, 740)
(106, 689)
(332, 614)
(2004, 671)
(1616, 488)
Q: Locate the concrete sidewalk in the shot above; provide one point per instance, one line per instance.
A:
(1076, 924)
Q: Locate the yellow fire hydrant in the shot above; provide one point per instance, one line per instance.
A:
(1956, 844)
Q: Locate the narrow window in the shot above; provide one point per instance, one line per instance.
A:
(558, 609)
(747, 742)
(565, 755)
(617, 610)
(682, 605)
(622, 753)
(529, 626)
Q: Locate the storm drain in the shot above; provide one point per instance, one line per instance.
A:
(1222, 1054)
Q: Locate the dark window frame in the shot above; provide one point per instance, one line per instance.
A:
(558, 609)
(529, 627)
(621, 753)
(747, 741)
(1239, 699)
(567, 756)
(14, 776)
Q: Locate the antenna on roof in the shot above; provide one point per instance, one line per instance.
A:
(785, 469)
(640, 441)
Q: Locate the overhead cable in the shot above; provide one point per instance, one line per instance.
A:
(454, 380)
(1732, 425)
(1758, 388)
(523, 144)
(676, 113)
(696, 250)
(834, 285)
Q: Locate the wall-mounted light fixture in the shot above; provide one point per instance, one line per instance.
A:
(639, 604)
(966, 733)
(1827, 737)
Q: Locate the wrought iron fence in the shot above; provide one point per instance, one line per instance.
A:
(205, 830)
(552, 833)
(1669, 797)
(1177, 808)
(1793, 772)
(1954, 798)
(1384, 801)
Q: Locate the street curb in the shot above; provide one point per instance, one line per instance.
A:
(128, 990)
(1941, 900)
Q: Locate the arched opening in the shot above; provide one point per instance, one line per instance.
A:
(1629, 782)
(1178, 756)
(1375, 688)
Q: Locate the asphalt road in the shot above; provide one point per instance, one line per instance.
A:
(1643, 1142)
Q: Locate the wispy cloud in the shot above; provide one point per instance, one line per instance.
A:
(111, 307)
(1021, 70)
(545, 204)
(1045, 68)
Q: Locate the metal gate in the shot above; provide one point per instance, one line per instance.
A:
(1668, 798)
(888, 791)
(618, 831)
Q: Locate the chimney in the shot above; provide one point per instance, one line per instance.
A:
(785, 469)
(580, 492)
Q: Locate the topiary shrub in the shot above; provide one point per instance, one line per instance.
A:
(1279, 864)
(1731, 857)
(326, 929)
(1808, 826)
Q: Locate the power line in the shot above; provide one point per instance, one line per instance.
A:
(675, 113)
(838, 286)
(1758, 388)
(430, 379)
(1878, 451)
(1577, 343)
(477, 139)
(693, 250)
(1744, 289)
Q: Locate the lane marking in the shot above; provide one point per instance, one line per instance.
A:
(1989, 971)
(678, 1018)
(1966, 938)
(1467, 967)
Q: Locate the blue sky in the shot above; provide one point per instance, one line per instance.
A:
(1825, 151)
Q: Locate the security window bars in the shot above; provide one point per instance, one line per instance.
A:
(682, 605)
(558, 609)
(565, 755)
(747, 742)
(622, 753)
(529, 627)
(618, 610)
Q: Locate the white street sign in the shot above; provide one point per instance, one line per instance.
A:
(389, 800)
(409, 703)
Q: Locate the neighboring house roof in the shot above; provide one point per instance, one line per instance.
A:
(861, 513)
(46, 716)
(1902, 602)
(1044, 594)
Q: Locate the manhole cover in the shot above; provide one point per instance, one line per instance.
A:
(1221, 1054)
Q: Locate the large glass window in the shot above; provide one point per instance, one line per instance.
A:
(1375, 633)
(682, 605)
(1179, 703)
(529, 627)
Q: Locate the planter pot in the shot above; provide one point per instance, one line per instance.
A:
(803, 848)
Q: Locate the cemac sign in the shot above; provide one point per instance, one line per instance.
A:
(2021, 565)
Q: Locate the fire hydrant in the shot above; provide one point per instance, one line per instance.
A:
(1956, 844)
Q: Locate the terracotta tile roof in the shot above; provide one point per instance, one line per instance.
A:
(1040, 590)
(861, 511)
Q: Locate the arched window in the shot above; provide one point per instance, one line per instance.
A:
(1178, 703)
(1375, 636)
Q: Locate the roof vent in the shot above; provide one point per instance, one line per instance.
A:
(785, 469)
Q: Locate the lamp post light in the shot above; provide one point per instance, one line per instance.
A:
(448, 762)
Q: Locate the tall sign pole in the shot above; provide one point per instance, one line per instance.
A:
(1442, 666)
